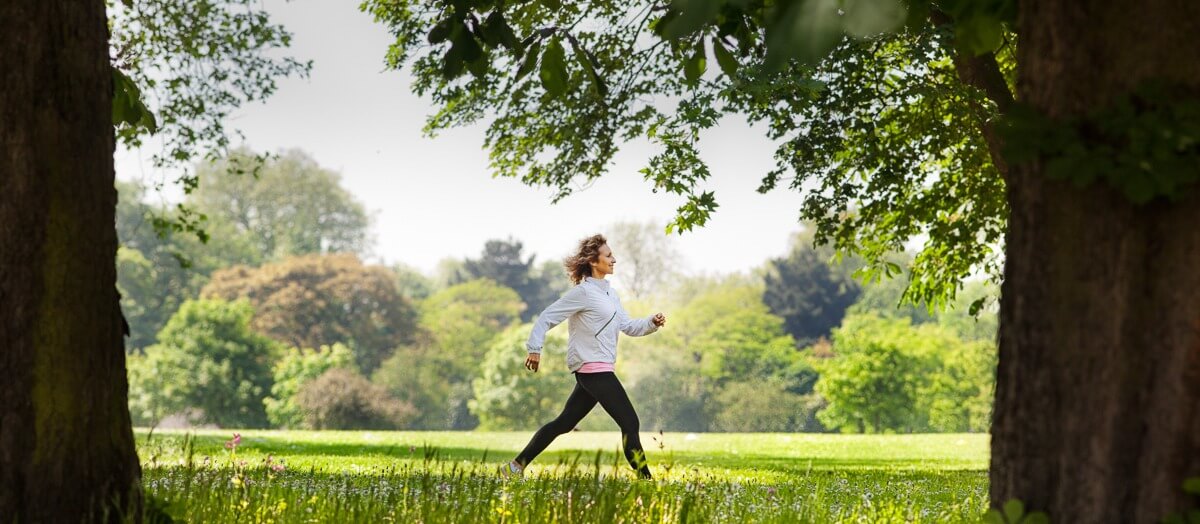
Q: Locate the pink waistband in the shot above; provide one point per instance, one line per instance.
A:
(595, 367)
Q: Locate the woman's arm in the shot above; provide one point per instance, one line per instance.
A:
(575, 300)
(639, 327)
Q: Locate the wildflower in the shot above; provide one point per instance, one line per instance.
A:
(277, 467)
(233, 443)
(237, 481)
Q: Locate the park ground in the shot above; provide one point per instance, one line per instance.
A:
(385, 476)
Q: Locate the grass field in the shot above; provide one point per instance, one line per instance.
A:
(366, 476)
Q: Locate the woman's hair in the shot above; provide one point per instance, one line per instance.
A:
(579, 265)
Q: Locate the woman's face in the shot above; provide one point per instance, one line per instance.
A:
(604, 263)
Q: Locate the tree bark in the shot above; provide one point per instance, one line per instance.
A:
(66, 447)
(1097, 414)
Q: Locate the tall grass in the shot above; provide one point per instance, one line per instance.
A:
(396, 480)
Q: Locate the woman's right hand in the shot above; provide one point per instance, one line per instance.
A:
(531, 362)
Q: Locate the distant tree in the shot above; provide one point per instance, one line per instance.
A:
(464, 318)
(412, 283)
(808, 290)
(646, 257)
(509, 397)
(158, 269)
(503, 262)
(732, 335)
(208, 362)
(434, 372)
(765, 406)
(418, 373)
(290, 205)
(292, 372)
(318, 300)
(342, 399)
(888, 375)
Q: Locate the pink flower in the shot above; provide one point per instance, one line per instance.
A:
(231, 444)
(277, 467)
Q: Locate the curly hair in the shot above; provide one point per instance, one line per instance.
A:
(579, 265)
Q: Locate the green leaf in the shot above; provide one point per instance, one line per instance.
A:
(440, 31)
(808, 31)
(127, 105)
(531, 59)
(497, 32)
(1014, 510)
(993, 516)
(554, 69)
(588, 62)
(691, 16)
(452, 63)
(694, 66)
(1192, 486)
(979, 34)
(868, 18)
(725, 59)
(1036, 517)
(469, 48)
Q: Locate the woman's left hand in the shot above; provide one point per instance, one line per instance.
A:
(659, 319)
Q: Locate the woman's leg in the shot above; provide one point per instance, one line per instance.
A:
(606, 389)
(578, 405)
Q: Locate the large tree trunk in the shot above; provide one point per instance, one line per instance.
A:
(1097, 415)
(66, 446)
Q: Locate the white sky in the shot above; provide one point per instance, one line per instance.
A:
(435, 198)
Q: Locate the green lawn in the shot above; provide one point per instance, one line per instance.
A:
(372, 476)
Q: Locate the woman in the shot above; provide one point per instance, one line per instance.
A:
(596, 316)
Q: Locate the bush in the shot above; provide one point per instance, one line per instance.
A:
(207, 362)
(297, 368)
(343, 399)
(749, 407)
(509, 397)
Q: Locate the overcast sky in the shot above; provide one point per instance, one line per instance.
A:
(435, 198)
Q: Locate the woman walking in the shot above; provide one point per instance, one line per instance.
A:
(595, 318)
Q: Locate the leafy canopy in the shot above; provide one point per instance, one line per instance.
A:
(863, 98)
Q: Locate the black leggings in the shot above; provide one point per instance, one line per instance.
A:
(591, 388)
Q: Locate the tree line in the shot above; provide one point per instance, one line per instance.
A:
(277, 321)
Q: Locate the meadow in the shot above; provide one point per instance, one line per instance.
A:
(378, 476)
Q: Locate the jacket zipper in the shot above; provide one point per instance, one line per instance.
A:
(610, 319)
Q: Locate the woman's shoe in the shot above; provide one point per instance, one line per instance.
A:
(512, 469)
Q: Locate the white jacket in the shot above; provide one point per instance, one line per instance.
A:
(596, 317)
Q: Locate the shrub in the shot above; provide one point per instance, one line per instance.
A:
(343, 399)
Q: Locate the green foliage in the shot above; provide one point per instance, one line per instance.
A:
(502, 262)
(434, 372)
(464, 318)
(888, 375)
(292, 372)
(208, 364)
(878, 132)
(507, 396)
(129, 111)
(318, 300)
(754, 406)
(420, 375)
(731, 334)
(198, 61)
(810, 290)
(290, 206)
(342, 399)
(158, 270)
(412, 283)
(1145, 144)
(1013, 512)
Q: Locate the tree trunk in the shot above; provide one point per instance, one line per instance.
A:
(66, 446)
(1097, 415)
